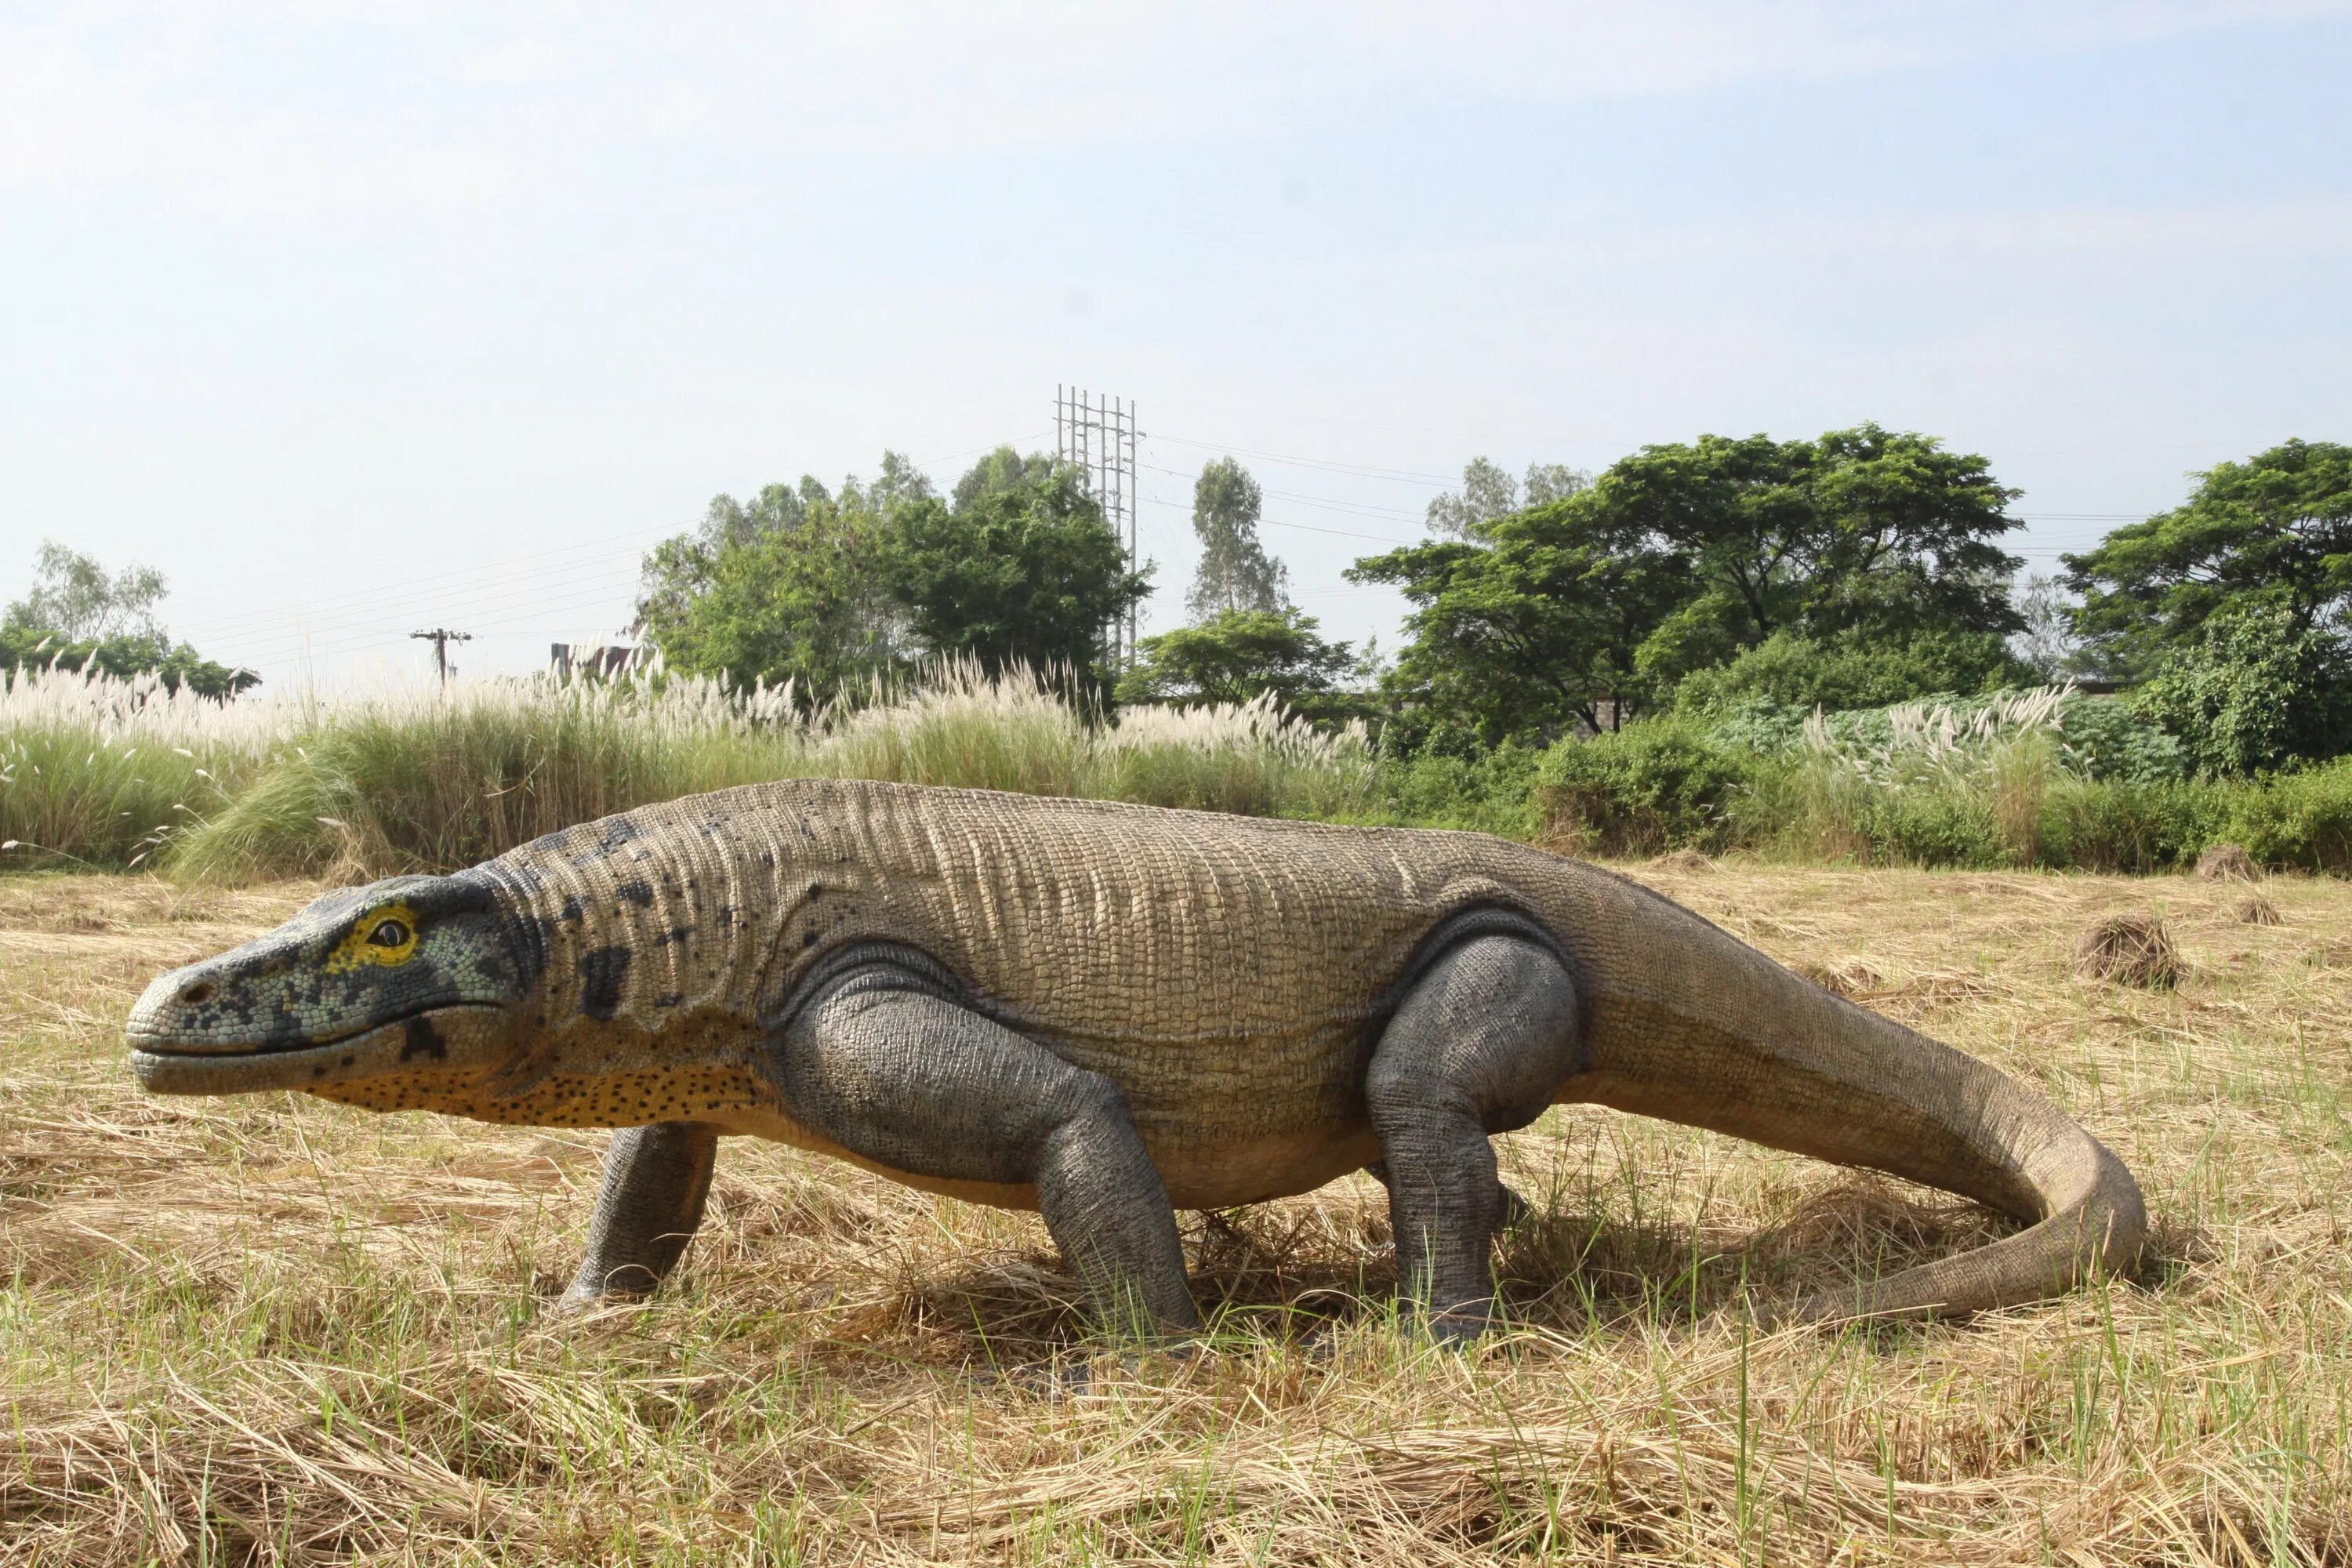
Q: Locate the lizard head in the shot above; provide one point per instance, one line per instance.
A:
(413, 977)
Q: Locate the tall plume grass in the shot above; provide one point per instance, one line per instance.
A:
(112, 773)
(1975, 773)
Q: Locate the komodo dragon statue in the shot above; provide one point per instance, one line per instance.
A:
(1106, 1013)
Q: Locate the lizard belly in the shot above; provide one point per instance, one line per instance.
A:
(1197, 1177)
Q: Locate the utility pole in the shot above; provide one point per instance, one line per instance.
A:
(1097, 435)
(441, 638)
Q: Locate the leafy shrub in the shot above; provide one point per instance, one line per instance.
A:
(1792, 671)
(1660, 783)
(2109, 738)
(2302, 820)
(1474, 790)
(2126, 825)
(2253, 693)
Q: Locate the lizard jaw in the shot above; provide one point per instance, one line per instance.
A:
(466, 1037)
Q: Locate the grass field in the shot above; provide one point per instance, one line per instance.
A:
(275, 1330)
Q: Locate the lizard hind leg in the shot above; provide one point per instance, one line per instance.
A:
(1480, 1045)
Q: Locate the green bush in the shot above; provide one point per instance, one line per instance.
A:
(2130, 824)
(1479, 792)
(1794, 671)
(2255, 692)
(1636, 791)
(2299, 820)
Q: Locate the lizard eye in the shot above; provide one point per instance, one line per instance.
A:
(389, 933)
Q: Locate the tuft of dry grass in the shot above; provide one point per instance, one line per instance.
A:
(2130, 950)
(2227, 863)
(2254, 909)
(1682, 860)
(275, 1331)
(1845, 976)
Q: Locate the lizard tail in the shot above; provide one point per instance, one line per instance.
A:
(1795, 1067)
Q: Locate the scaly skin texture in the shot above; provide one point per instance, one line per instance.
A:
(1104, 1010)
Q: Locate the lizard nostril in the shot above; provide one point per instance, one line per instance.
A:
(201, 991)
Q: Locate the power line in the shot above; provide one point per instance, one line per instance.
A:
(1404, 475)
(441, 638)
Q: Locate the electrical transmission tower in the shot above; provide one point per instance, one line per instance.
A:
(441, 638)
(1097, 435)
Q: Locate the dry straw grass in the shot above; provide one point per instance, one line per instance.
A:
(1683, 860)
(2130, 950)
(2254, 909)
(2227, 863)
(276, 1331)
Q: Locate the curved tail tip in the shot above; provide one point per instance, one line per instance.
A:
(2098, 1236)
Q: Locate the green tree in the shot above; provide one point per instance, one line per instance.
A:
(176, 666)
(1863, 532)
(1531, 628)
(2047, 644)
(1029, 574)
(2275, 530)
(1488, 492)
(1236, 655)
(1235, 572)
(1003, 470)
(786, 586)
(77, 617)
(2253, 689)
(74, 597)
(1795, 671)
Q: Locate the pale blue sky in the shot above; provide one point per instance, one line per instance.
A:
(352, 326)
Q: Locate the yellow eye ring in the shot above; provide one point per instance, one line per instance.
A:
(385, 936)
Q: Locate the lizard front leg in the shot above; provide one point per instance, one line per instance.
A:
(885, 1061)
(657, 1179)
(1479, 1045)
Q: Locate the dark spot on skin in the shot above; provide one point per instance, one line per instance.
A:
(573, 908)
(638, 893)
(423, 1040)
(669, 998)
(767, 857)
(808, 939)
(348, 1060)
(816, 891)
(727, 914)
(601, 969)
(673, 936)
(618, 832)
(319, 1071)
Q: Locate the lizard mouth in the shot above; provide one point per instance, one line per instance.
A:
(163, 1045)
(450, 1035)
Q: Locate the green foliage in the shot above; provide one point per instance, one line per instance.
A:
(1869, 554)
(783, 588)
(1865, 532)
(1029, 574)
(1479, 791)
(81, 620)
(1660, 782)
(120, 656)
(2272, 531)
(1237, 655)
(1235, 573)
(2301, 820)
(1531, 631)
(2254, 690)
(1849, 670)
(75, 598)
(1003, 470)
(1488, 492)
